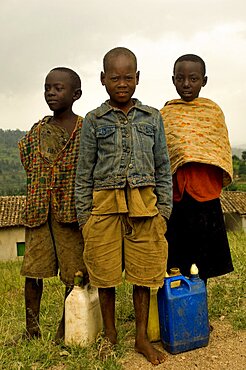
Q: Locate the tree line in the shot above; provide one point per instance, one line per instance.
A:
(12, 174)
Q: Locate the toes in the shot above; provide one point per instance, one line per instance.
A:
(157, 358)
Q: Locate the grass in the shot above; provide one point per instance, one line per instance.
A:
(226, 297)
(227, 294)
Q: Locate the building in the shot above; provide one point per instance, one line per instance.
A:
(12, 231)
(234, 210)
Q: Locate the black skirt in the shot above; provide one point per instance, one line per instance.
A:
(196, 234)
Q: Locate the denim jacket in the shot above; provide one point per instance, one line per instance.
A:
(118, 148)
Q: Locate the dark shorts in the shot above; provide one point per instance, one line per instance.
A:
(51, 248)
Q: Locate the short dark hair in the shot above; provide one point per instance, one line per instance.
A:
(75, 79)
(191, 58)
(115, 52)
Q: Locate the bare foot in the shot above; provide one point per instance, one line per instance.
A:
(152, 355)
(24, 336)
(31, 334)
(111, 336)
(106, 349)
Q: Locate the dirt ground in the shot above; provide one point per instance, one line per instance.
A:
(226, 351)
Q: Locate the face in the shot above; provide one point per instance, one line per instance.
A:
(59, 92)
(120, 80)
(188, 79)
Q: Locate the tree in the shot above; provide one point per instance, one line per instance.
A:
(244, 155)
(242, 168)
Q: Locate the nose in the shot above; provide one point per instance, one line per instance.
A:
(50, 92)
(122, 82)
(186, 82)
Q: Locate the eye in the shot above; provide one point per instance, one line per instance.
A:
(114, 79)
(179, 79)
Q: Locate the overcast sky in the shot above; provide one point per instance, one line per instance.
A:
(37, 35)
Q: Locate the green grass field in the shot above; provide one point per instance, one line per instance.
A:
(226, 296)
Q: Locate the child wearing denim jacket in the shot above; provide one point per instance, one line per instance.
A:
(123, 197)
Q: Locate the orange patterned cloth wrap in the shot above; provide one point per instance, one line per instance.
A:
(196, 132)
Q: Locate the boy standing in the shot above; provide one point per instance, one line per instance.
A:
(201, 164)
(49, 154)
(123, 196)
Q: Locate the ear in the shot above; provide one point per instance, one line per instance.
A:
(137, 77)
(77, 94)
(205, 80)
(102, 78)
(173, 80)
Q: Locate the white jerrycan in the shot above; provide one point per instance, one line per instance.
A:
(83, 319)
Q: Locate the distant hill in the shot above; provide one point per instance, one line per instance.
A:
(12, 174)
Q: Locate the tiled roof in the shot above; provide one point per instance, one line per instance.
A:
(233, 201)
(11, 210)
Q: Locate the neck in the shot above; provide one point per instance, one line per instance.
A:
(67, 121)
(64, 116)
(124, 107)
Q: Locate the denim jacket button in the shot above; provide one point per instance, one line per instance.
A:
(130, 165)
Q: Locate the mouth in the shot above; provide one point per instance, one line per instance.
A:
(51, 102)
(122, 93)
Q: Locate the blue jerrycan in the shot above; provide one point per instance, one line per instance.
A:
(183, 314)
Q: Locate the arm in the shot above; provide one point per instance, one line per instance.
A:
(23, 154)
(26, 147)
(163, 176)
(84, 174)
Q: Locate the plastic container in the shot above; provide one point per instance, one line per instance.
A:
(83, 319)
(183, 314)
(153, 329)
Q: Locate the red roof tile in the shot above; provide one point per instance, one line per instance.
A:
(10, 210)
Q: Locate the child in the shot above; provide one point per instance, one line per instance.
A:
(201, 164)
(123, 196)
(49, 154)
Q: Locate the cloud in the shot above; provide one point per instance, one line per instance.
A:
(36, 36)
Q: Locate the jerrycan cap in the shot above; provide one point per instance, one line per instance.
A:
(175, 271)
(194, 269)
(78, 279)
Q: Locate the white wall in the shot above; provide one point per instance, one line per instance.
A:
(233, 222)
(244, 223)
(9, 236)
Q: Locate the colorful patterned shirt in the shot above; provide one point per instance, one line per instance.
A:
(49, 157)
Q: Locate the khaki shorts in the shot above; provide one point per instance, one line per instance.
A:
(53, 247)
(116, 242)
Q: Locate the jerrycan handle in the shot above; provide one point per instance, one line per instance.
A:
(169, 280)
